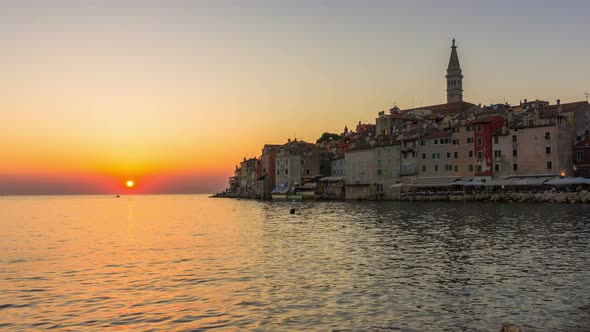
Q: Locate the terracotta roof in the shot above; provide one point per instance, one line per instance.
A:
(584, 142)
(437, 134)
(448, 108)
(486, 118)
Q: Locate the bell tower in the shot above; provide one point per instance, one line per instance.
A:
(454, 77)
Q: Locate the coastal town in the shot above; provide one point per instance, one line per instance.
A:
(537, 150)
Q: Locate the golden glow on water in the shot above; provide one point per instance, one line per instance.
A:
(189, 262)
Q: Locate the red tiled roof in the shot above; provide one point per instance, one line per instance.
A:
(437, 134)
(584, 142)
(448, 108)
(486, 118)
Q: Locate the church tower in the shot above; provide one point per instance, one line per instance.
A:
(454, 77)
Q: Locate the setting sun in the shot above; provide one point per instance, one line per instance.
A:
(130, 184)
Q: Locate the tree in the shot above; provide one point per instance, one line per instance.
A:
(328, 137)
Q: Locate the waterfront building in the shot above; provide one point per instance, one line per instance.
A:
(534, 143)
(359, 162)
(247, 177)
(387, 156)
(266, 174)
(436, 159)
(462, 148)
(582, 158)
(297, 161)
(484, 126)
(409, 159)
(337, 166)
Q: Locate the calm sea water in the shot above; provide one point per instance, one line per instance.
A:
(192, 263)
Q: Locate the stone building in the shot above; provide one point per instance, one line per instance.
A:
(582, 158)
(484, 126)
(534, 144)
(462, 149)
(436, 159)
(296, 161)
(387, 158)
(359, 163)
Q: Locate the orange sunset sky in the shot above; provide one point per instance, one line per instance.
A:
(172, 94)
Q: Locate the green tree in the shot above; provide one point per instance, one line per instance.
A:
(328, 137)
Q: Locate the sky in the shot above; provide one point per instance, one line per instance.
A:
(172, 94)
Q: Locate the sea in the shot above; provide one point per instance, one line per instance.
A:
(193, 263)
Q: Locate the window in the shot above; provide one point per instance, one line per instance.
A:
(479, 168)
(278, 172)
(497, 153)
(379, 162)
(547, 150)
(448, 155)
(515, 167)
(496, 140)
(471, 168)
(379, 172)
(436, 168)
(479, 155)
(456, 155)
(515, 153)
(423, 155)
(579, 155)
(448, 167)
(455, 141)
(469, 139)
(423, 168)
(456, 168)
(434, 156)
(479, 127)
(514, 138)
(547, 135)
(435, 141)
(531, 122)
(480, 141)
(496, 167)
(422, 143)
(287, 171)
(549, 165)
(470, 128)
(307, 171)
(470, 154)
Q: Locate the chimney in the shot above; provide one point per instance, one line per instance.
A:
(558, 105)
(288, 140)
(525, 100)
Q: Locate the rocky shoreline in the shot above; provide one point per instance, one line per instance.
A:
(581, 197)
(515, 197)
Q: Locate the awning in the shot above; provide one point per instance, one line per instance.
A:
(520, 181)
(281, 188)
(435, 182)
(332, 179)
(567, 181)
(397, 185)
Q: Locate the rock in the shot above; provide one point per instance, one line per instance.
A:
(507, 327)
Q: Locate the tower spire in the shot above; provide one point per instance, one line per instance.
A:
(454, 77)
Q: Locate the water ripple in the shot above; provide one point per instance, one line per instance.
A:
(188, 263)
